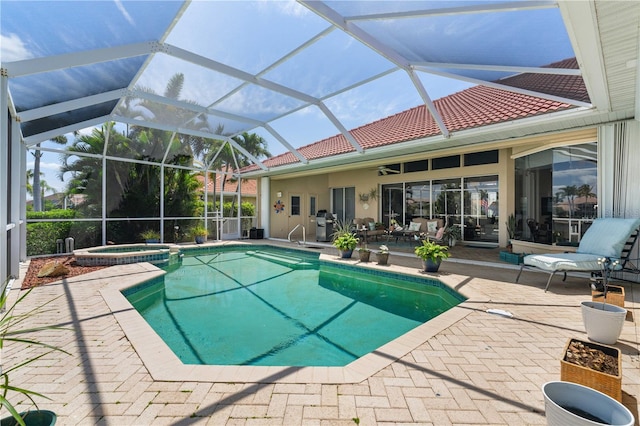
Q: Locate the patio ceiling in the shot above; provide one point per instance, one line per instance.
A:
(297, 72)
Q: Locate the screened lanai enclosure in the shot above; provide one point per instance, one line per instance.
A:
(158, 115)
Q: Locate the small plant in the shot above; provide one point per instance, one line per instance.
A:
(8, 321)
(452, 233)
(345, 242)
(150, 234)
(199, 231)
(432, 251)
(511, 226)
(343, 238)
(384, 249)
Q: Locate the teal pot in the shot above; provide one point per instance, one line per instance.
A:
(603, 322)
(567, 403)
(33, 418)
(345, 254)
(429, 265)
(152, 241)
(200, 239)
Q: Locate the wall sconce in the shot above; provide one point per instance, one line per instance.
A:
(279, 194)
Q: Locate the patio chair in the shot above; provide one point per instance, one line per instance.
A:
(607, 239)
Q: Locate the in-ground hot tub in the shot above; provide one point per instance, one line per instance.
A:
(122, 254)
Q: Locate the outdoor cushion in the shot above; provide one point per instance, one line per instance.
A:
(564, 261)
(607, 236)
(440, 233)
(432, 226)
(414, 226)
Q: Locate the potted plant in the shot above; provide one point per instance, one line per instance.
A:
(344, 239)
(567, 403)
(199, 233)
(364, 253)
(603, 322)
(383, 255)
(511, 230)
(594, 365)
(432, 254)
(451, 235)
(8, 320)
(150, 236)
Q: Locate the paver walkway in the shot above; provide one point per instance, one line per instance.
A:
(481, 369)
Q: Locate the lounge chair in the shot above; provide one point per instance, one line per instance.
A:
(608, 241)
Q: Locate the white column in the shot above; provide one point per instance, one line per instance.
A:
(264, 215)
(18, 174)
(4, 174)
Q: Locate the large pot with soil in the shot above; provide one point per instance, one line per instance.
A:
(591, 364)
(567, 403)
(603, 322)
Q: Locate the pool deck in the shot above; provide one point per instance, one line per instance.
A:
(465, 367)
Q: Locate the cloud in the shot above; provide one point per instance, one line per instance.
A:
(124, 12)
(12, 48)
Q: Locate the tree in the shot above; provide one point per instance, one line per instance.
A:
(36, 190)
(570, 192)
(585, 191)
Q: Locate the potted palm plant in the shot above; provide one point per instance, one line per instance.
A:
(432, 254)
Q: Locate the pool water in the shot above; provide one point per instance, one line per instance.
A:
(273, 307)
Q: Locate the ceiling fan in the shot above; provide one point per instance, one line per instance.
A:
(385, 170)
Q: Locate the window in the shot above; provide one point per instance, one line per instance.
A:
(416, 166)
(479, 158)
(556, 193)
(295, 205)
(312, 205)
(343, 203)
(449, 162)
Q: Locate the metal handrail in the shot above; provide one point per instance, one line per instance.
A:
(304, 234)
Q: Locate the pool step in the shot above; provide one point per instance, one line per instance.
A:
(290, 261)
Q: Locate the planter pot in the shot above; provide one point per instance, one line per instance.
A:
(200, 239)
(152, 241)
(615, 295)
(567, 403)
(602, 321)
(452, 242)
(429, 265)
(345, 254)
(33, 418)
(364, 255)
(383, 258)
(608, 384)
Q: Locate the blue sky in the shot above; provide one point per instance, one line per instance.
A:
(254, 36)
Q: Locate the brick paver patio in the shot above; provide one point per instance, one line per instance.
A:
(479, 368)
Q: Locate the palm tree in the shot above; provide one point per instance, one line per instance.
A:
(36, 190)
(570, 192)
(585, 191)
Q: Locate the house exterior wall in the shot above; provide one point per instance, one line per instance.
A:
(282, 222)
(365, 178)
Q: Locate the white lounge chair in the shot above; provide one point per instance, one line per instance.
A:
(607, 239)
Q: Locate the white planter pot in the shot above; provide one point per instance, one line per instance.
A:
(558, 396)
(602, 321)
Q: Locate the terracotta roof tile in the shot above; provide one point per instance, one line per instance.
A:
(470, 108)
(249, 186)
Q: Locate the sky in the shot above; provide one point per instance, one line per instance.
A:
(264, 38)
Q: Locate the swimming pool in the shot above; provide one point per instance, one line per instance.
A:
(267, 306)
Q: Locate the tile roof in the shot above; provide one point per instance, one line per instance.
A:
(470, 108)
(249, 186)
